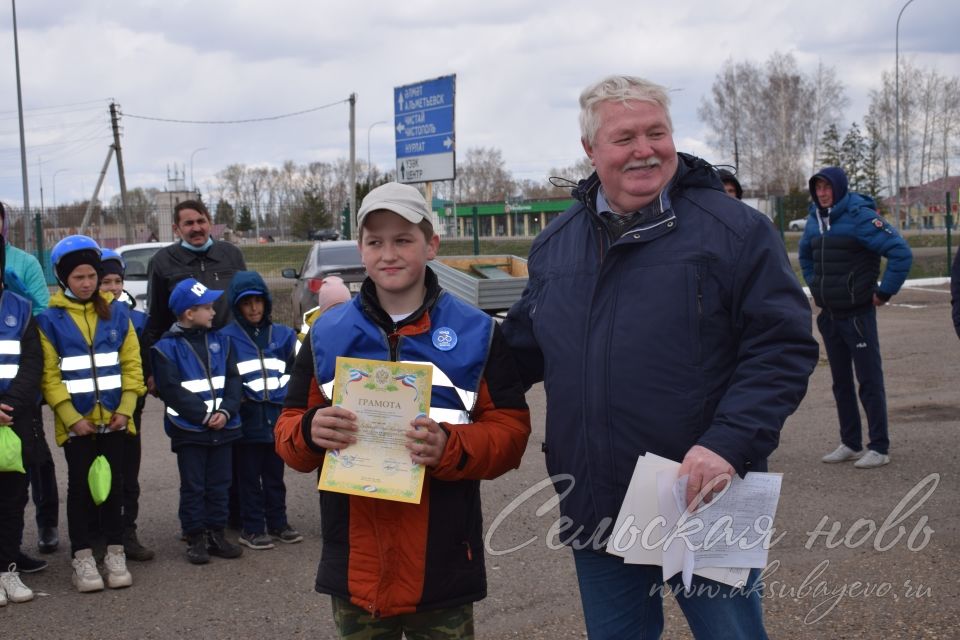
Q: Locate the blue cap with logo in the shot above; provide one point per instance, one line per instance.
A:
(189, 293)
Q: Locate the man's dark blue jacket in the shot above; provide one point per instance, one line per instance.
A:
(689, 329)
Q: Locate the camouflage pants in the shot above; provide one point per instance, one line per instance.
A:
(354, 623)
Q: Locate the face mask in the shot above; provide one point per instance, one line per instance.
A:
(189, 247)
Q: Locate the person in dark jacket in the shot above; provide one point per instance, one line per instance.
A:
(196, 372)
(20, 375)
(730, 184)
(662, 316)
(265, 355)
(840, 255)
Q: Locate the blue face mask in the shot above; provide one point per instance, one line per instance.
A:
(189, 247)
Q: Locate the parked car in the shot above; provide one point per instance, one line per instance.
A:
(137, 257)
(324, 234)
(797, 225)
(335, 258)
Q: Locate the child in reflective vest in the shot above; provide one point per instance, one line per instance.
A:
(92, 379)
(195, 369)
(265, 355)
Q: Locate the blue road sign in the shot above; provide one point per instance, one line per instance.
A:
(424, 130)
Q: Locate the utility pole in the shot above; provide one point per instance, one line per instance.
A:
(124, 212)
(353, 166)
(23, 143)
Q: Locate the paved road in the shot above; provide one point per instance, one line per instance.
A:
(822, 587)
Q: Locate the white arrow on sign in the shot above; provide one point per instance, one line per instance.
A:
(400, 127)
(399, 102)
(448, 142)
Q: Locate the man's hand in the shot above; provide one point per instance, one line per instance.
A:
(427, 441)
(83, 428)
(151, 386)
(333, 428)
(878, 301)
(6, 415)
(118, 422)
(706, 470)
(217, 421)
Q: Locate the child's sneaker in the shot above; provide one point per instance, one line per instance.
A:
(287, 534)
(13, 588)
(115, 564)
(197, 548)
(218, 545)
(133, 549)
(3, 598)
(258, 541)
(86, 578)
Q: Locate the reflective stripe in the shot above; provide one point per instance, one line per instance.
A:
(86, 385)
(296, 347)
(248, 366)
(9, 347)
(211, 407)
(8, 371)
(203, 384)
(258, 384)
(275, 364)
(79, 363)
(440, 379)
(450, 416)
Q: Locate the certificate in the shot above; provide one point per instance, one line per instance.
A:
(385, 396)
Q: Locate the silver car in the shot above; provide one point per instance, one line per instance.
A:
(137, 257)
(332, 258)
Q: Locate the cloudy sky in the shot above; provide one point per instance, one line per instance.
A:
(520, 66)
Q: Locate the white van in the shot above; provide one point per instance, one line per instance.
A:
(137, 257)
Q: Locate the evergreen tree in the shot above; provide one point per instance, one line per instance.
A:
(872, 183)
(830, 155)
(225, 214)
(853, 158)
(245, 223)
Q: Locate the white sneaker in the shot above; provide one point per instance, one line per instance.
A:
(115, 565)
(86, 578)
(871, 460)
(13, 588)
(3, 598)
(842, 453)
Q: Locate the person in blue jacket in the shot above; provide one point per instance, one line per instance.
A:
(23, 275)
(840, 256)
(265, 356)
(195, 369)
(955, 292)
(662, 316)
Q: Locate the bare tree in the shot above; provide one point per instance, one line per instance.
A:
(483, 176)
(829, 102)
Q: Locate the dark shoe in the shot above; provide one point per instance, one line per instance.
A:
(133, 549)
(99, 547)
(197, 549)
(26, 564)
(218, 545)
(257, 541)
(48, 540)
(288, 534)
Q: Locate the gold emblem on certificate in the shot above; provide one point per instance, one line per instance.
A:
(386, 397)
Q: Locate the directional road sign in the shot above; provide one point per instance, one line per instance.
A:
(423, 124)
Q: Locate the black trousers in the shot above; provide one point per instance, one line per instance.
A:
(80, 453)
(13, 500)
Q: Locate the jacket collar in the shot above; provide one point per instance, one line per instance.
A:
(371, 305)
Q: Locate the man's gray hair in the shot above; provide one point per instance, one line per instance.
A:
(622, 88)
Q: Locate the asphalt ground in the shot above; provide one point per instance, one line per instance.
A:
(866, 579)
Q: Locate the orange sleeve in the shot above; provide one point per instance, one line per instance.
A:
(290, 440)
(488, 447)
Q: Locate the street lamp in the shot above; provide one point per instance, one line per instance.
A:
(369, 129)
(896, 99)
(55, 187)
(193, 183)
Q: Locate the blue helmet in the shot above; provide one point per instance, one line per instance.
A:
(110, 254)
(70, 252)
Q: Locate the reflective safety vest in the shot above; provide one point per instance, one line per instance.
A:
(205, 379)
(14, 318)
(91, 372)
(457, 347)
(264, 373)
(139, 319)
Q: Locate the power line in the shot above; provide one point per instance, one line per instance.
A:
(244, 121)
(62, 106)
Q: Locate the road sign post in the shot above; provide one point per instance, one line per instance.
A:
(424, 130)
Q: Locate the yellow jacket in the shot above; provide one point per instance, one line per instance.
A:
(55, 391)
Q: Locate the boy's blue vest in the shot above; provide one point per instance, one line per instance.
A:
(14, 317)
(264, 373)
(204, 379)
(139, 319)
(457, 346)
(91, 373)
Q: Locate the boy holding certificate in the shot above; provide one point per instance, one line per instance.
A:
(393, 566)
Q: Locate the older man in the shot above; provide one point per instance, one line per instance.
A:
(663, 317)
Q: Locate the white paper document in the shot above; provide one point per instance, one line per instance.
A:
(721, 542)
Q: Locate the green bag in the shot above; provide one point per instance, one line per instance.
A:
(11, 451)
(99, 478)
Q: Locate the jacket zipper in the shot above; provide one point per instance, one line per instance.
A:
(93, 363)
